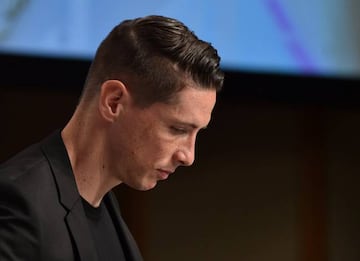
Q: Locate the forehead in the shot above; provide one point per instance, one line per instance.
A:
(192, 105)
(205, 97)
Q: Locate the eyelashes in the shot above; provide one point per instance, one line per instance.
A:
(178, 130)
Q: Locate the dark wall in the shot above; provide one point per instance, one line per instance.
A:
(275, 177)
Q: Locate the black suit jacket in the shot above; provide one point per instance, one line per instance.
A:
(41, 214)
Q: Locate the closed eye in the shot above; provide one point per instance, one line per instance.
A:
(178, 130)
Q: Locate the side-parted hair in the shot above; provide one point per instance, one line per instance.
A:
(155, 57)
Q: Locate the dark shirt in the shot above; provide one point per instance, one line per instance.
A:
(107, 243)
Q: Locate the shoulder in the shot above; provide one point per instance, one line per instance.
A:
(23, 167)
(18, 222)
(21, 181)
(31, 165)
(31, 212)
(26, 181)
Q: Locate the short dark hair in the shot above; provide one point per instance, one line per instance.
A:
(154, 56)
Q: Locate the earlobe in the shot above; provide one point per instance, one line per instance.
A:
(112, 98)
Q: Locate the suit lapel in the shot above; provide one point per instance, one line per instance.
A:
(131, 250)
(79, 229)
(55, 151)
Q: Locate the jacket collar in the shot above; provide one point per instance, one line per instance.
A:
(54, 150)
(130, 248)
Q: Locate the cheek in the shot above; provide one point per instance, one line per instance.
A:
(145, 146)
(154, 148)
(158, 149)
(150, 142)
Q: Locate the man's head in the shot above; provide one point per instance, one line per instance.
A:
(153, 85)
(155, 57)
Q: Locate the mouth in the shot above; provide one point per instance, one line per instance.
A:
(164, 174)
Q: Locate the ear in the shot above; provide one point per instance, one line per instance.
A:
(113, 97)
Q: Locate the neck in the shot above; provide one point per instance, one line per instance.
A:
(85, 145)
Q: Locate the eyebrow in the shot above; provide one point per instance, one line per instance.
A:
(193, 126)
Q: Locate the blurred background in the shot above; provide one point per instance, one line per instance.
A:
(276, 173)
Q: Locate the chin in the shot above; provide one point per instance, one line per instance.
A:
(144, 186)
(149, 186)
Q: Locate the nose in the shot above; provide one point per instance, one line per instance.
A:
(185, 155)
(185, 158)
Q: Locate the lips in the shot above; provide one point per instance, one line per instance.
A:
(164, 174)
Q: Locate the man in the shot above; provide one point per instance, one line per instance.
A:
(150, 89)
